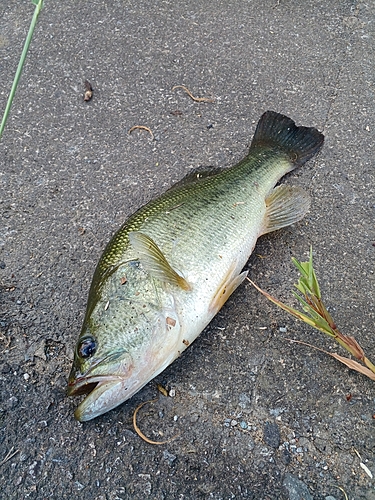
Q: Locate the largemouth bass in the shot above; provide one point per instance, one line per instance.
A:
(173, 264)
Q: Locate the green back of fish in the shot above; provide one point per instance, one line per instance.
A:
(213, 207)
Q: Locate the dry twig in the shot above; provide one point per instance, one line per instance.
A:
(142, 127)
(140, 433)
(9, 455)
(196, 99)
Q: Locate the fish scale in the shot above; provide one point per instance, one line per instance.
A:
(173, 264)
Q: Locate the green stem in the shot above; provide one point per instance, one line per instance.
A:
(369, 365)
(38, 7)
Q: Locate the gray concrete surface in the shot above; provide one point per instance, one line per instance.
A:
(258, 417)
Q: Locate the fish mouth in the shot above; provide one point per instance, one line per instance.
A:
(102, 394)
(103, 383)
(86, 385)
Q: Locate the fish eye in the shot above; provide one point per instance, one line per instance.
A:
(87, 347)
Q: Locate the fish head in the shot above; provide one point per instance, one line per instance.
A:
(100, 370)
(120, 351)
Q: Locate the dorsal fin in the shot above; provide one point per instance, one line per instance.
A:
(154, 261)
(280, 132)
(196, 175)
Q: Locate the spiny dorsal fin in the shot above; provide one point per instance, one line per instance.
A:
(285, 205)
(154, 261)
(197, 175)
(280, 132)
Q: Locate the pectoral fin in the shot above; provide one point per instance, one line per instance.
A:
(230, 282)
(285, 205)
(154, 261)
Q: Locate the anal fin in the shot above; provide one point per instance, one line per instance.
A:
(154, 261)
(285, 205)
(228, 285)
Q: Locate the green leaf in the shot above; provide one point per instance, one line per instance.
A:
(307, 283)
(299, 266)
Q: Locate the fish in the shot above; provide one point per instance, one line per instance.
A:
(172, 265)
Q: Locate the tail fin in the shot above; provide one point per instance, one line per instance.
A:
(280, 132)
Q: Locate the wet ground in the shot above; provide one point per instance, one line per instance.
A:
(257, 416)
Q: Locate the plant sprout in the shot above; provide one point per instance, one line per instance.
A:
(316, 315)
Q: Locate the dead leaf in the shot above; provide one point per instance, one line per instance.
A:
(350, 363)
(366, 469)
(163, 390)
(353, 365)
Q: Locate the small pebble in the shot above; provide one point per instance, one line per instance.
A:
(271, 434)
(283, 329)
(6, 368)
(296, 488)
(243, 425)
(169, 456)
(172, 393)
(286, 457)
(175, 418)
(233, 423)
(227, 422)
(277, 411)
(26, 376)
(12, 402)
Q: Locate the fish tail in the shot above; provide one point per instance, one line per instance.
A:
(280, 132)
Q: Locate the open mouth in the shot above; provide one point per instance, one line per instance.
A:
(79, 383)
(102, 394)
(85, 385)
(82, 386)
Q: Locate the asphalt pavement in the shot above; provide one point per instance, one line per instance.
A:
(257, 417)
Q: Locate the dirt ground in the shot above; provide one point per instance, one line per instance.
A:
(257, 416)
